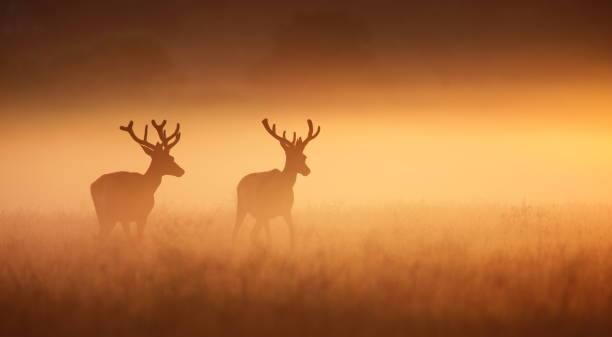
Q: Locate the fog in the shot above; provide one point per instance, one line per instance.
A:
(504, 102)
(430, 153)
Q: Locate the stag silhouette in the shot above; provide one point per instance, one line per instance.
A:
(269, 194)
(128, 197)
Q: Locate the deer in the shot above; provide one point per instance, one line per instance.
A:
(126, 197)
(266, 195)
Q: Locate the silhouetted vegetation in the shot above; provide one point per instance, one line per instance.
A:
(410, 269)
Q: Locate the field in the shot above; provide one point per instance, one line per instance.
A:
(405, 269)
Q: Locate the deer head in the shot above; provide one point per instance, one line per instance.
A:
(294, 149)
(161, 161)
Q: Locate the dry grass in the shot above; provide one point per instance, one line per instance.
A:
(398, 270)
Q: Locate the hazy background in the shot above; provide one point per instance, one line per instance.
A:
(437, 101)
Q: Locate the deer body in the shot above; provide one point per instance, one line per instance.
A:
(266, 195)
(269, 194)
(124, 196)
(127, 197)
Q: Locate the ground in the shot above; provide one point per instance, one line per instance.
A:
(400, 269)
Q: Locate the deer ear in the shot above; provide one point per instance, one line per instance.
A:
(147, 151)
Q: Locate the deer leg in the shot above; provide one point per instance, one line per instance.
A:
(255, 231)
(240, 214)
(126, 228)
(105, 228)
(289, 220)
(267, 227)
(141, 224)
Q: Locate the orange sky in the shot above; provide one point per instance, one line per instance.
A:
(547, 151)
(459, 102)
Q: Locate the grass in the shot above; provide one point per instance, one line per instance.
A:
(394, 270)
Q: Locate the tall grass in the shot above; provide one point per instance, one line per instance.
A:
(395, 270)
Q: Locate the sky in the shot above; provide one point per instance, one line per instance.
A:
(465, 101)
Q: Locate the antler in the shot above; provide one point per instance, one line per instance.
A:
(310, 136)
(272, 131)
(293, 143)
(143, 142)
(167, 145)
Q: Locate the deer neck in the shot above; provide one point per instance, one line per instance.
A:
(153, 177)
(289, 174)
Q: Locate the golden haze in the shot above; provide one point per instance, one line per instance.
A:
(488, 147)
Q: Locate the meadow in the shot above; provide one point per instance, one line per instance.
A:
(404, 269)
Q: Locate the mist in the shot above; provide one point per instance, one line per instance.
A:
(365, 156)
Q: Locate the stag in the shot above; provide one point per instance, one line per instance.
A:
(269, 194)
(126, 197)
